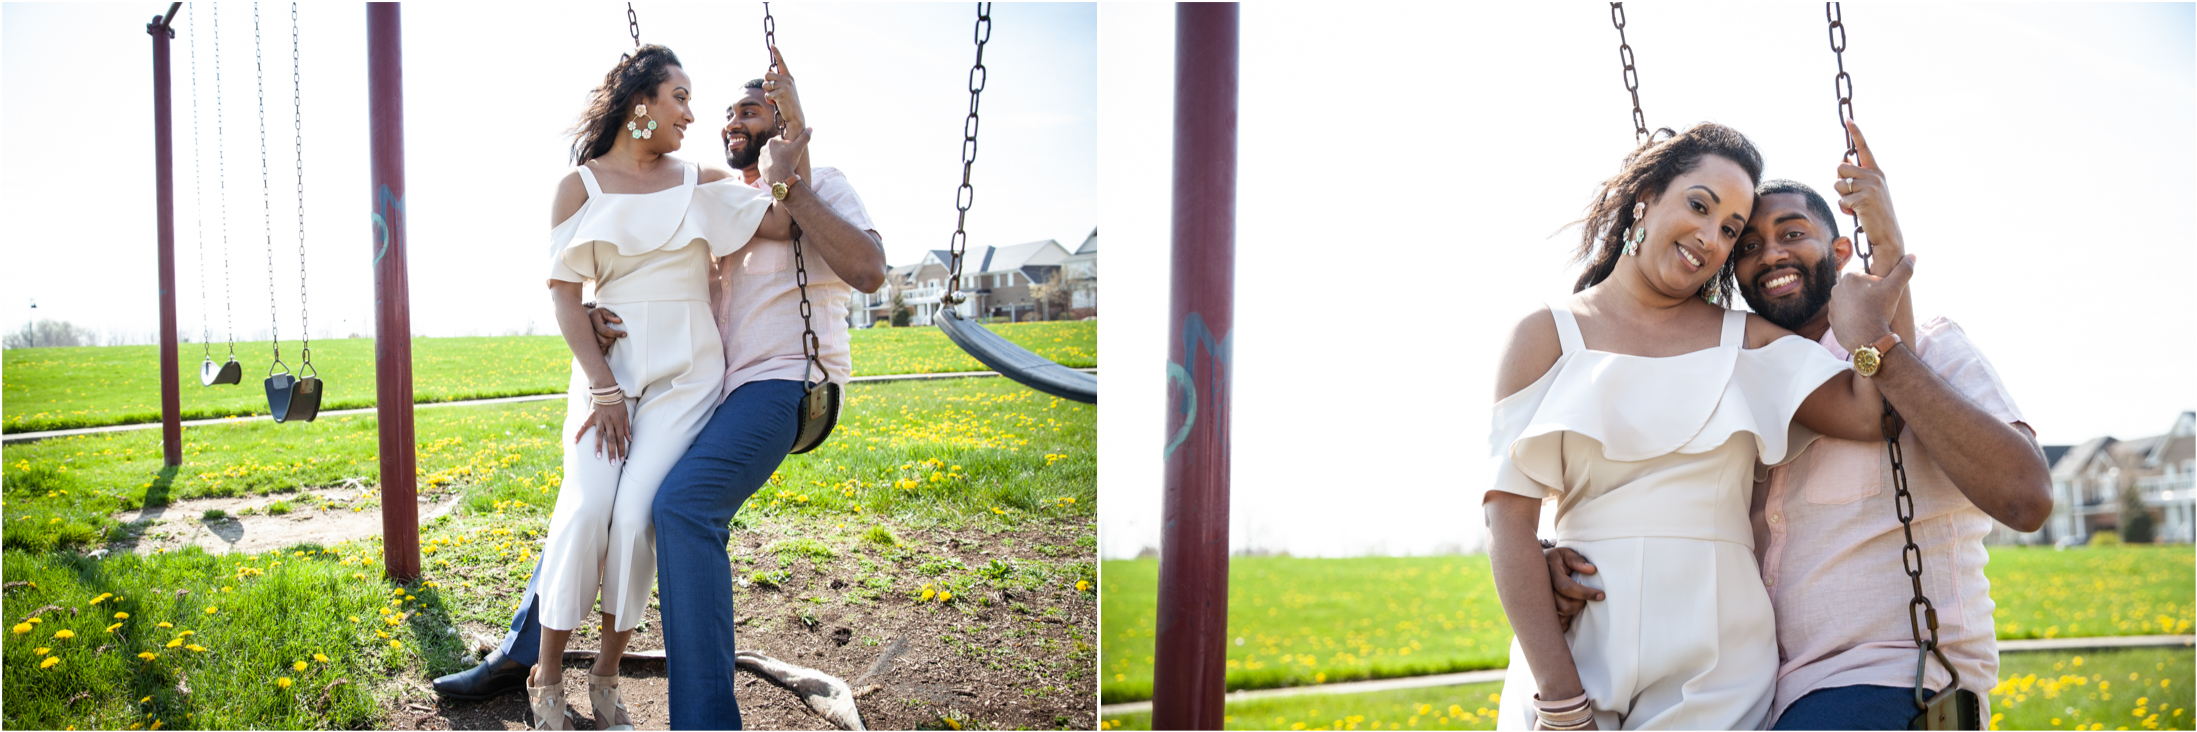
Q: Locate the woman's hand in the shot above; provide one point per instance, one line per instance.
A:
(779, 90)
(613, 430)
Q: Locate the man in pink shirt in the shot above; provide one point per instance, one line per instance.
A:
(1827, 532)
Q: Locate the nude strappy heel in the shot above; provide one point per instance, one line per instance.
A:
(610, 711)
(548, 704)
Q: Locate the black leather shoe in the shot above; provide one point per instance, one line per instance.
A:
(496, 676)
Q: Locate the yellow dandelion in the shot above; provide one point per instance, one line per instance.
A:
(396, 644)
(49, 662)
(212, 610)
(121, 616)
(167, 625)
(177, 643)
(148, 655)
(22, 628)
(196, 647)
(42, 651)
(111, 628)
(64, 634)
(1083, 585)
(283, 682)
(321, 657)
(944, 596)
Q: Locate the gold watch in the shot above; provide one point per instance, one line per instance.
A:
(1869, 358)
(781, 189)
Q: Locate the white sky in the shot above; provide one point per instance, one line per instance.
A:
(489, 91)
(1403, 167)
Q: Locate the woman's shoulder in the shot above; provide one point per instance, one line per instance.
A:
(1761, 332)
(1531, 350)
(570, 196)
(714, 173)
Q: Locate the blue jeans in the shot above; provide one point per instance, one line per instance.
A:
(734, 456)
(1860, 706)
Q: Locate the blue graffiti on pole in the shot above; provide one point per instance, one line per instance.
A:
(1184, 376)
(391, 208)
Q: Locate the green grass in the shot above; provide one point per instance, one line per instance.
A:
(2143, 688)
(1309, 621)
(980, 452)
(1466, 706)
(63, 388)
(2127, 590)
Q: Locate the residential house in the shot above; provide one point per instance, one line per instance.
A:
(1080, 271)
(2090, 480)
(996, 282)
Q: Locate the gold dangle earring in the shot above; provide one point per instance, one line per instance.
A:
(640, 113)
(1638, 233)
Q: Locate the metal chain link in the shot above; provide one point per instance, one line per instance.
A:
(1843, 85)
(297, 125)
(633, 25)
(1631, 75)
(221, 175)
(266, 202)
(198, 190)
(965, 195)
(811, 346)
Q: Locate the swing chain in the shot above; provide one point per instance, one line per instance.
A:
(221, 174)
(297, 125)
(811, 346)
(198, 188)
(1631, 75)
(1843, 85)
(965, 196)
(266, 201)
(633, 25)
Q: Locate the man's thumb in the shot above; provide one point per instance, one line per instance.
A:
(1901, 272)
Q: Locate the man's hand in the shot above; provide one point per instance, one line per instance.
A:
(1571, 597)
(605, 336)
(782, 156)
(1864, 195)
(1862, 304)
(779, 90)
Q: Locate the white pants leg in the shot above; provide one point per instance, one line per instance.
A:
(600, 536)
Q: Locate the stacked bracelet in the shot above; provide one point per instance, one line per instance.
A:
(1574, 713)
(608, 395)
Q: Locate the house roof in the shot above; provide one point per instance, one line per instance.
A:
(2177, 445)
(1020, 256)
(1090, 243)
(2073, 461)
(2052, 453)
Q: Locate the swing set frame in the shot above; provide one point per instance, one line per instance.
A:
(392, 291)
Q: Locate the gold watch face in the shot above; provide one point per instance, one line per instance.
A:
(778, 191)
(1867, 360)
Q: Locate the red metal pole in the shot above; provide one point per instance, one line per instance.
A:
(1189, 670)
(400, 512)
(171, 384)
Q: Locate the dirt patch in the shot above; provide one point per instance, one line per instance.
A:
(254, 524)
(993, 658)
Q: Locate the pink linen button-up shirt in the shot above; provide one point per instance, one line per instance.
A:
(1830, 545)
(758, 306)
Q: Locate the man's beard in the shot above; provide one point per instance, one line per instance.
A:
(1815, 292)
(750, 152)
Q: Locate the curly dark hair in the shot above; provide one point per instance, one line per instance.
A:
(635, 78)
(1646, 173)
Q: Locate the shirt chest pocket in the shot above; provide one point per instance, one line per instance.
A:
(1844, 471)
(764, 257)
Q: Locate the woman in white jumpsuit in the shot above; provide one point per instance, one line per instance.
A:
(1639, 408)
(647, 246)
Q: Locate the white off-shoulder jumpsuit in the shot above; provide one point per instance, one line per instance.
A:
(1650, 462)
(649, 259)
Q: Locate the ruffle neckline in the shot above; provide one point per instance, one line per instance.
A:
(1640, 407)
(638, 223)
